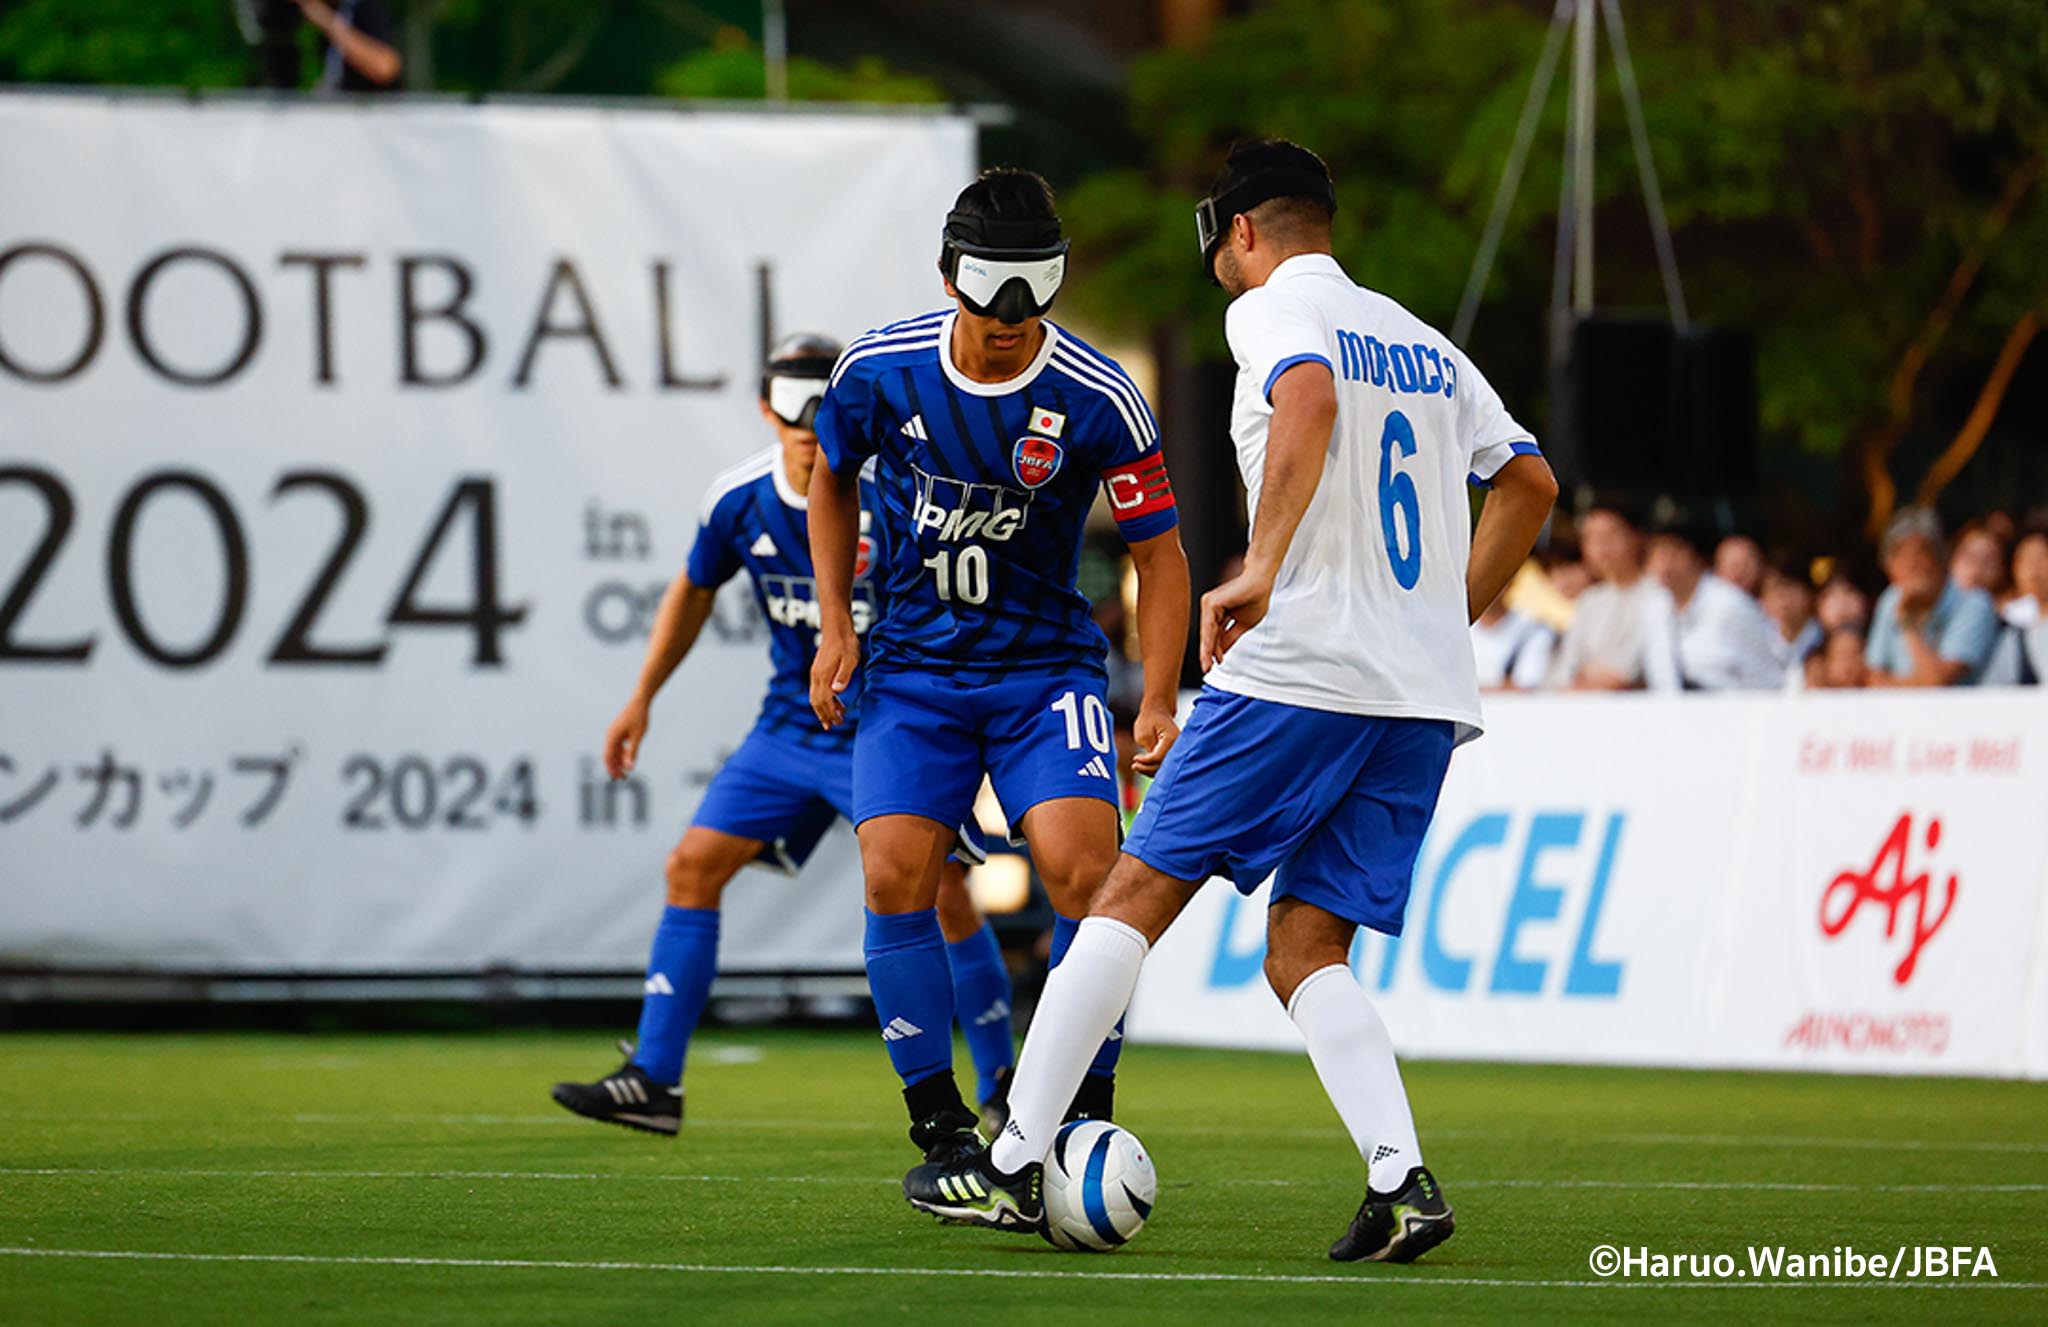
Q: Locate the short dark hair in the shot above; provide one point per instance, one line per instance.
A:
(1004, 193)
(1253, 157)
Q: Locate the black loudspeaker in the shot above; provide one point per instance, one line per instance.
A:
(1638, 407)
(1714, 424)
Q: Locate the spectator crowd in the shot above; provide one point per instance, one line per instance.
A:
(1675, 609)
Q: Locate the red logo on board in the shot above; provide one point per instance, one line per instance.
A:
(1036, 460)
(1886, 884)
(864, 557)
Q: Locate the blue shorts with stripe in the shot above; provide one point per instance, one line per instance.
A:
(1337, 804)
(787, 794)
(927, 738)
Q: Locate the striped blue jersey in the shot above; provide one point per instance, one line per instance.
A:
(982, 491)
(753, 519)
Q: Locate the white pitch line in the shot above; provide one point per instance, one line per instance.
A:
(169, 1172)
(1015, 1274)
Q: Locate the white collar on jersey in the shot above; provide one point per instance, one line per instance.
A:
(1305, 264)
(1008, 385)
(783, 488)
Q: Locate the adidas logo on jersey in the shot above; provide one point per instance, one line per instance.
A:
(764, 547)
(901, 1029)
(915, 429)
(658, 985)
(1095, 766)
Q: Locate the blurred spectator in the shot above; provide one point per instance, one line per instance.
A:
(1740, 562)
(2020, 658)
(1788, 600)
(1513, 651)
(358, 54)
(1570, 579)
(1926, 631)
(1841, 605)
(1839, 663)
(1700, 633)
(1979, 560)
(2029, 603)
(1603, 648)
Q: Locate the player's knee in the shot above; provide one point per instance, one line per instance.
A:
(1073, 879)
(897, 887)
(693, 881)
(1288, 967)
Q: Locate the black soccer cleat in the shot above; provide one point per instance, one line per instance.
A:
(972, 1192)
(626, 1096)
(946, 1137)
(1400, 1227)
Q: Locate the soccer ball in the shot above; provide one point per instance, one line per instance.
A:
(1099, 1187)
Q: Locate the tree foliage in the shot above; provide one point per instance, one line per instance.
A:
(1838, 173)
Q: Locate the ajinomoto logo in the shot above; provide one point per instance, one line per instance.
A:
(1906, 897)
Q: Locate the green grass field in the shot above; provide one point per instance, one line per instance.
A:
(387, 1179)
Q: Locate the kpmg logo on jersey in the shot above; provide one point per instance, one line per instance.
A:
(955, 509)
(1036, 460)
(792, 601)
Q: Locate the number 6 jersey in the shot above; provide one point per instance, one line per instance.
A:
(982, 490)
(1368, 613)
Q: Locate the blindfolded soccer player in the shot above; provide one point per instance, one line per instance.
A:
(775, 797)
(1339, 677)
(991, 429)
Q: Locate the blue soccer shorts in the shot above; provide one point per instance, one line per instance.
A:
(780, 791)
(926, 740)
(1336, 803)
(785, 793)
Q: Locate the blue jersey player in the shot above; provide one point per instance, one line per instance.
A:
(991, 430)
(778, 794)
(1339, 675)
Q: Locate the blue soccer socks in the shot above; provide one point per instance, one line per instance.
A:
(981, 994)
(913, 991)
(679, 972)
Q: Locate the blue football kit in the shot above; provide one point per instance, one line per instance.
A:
(986, 658)
(790, 778)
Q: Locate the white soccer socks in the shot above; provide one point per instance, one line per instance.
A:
(1349, 1047)
(1084, 997)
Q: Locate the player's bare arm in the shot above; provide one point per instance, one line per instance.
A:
(1163, 596)
(835, 540)
(683, 612)
(1304, 411)
(1523, 493)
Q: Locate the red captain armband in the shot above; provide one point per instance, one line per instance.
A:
(1138, 489)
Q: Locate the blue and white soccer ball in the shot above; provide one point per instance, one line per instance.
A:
(1099, 1187)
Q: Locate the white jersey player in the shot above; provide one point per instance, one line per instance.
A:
(1340, 676)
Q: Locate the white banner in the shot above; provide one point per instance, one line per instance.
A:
(344, 453)
(1832, 881)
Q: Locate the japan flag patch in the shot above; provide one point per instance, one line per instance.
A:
(1048, 422)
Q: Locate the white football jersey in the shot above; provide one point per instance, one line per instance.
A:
(1368, 613)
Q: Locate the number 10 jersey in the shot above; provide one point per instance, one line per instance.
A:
(982, 490)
